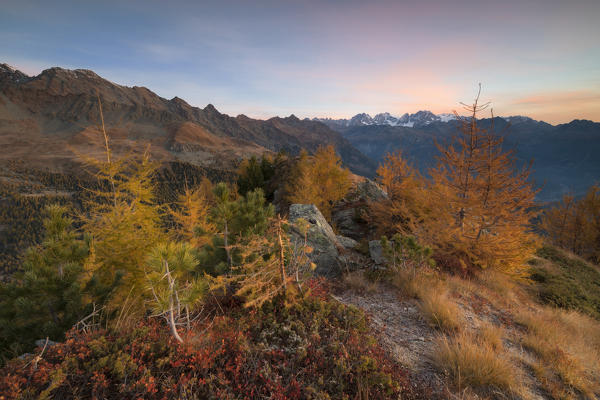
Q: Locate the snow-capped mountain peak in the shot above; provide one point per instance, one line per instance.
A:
(417, 119)
(361, 119)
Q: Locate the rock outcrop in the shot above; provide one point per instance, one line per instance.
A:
(350, 215)
(376, 252)
(331, 253)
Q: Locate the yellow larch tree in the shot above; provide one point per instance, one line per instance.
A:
(404, 209)
(191, 215)
(320, 180)
(575, 224)
(483, 203)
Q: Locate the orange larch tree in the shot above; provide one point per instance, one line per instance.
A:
(404, 209)
(320, 180)
(575, 224)
(483, 202)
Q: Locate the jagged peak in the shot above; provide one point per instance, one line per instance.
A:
(7, 68)
(12, 73)
(211, 109)
(71, 73)
(179, 101)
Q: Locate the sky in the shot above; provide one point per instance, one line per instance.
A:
(325, 58)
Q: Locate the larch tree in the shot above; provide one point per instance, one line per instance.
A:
(191, 215)
(123, 220)
(320, 180)
(405, 207)
(484, 203)
(575, 224)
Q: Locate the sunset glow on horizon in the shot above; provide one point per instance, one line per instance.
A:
(325, 59)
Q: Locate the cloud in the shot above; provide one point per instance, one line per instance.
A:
(557, 106)
(557, 97)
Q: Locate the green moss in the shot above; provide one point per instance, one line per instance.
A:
(571, 284)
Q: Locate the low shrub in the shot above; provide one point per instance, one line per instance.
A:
(312, 349)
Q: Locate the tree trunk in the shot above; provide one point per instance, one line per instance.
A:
(171, 318)
(281, 254)
(226, 245)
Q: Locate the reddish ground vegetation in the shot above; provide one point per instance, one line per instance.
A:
(312, 349)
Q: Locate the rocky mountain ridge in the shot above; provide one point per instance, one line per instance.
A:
(420, 118)
(415, 120)
(50, 118)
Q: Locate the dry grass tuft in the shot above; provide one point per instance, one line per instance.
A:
(412, 286)
(357, 282)
(441, 311)
(491, 334)
(469, 361)
(501, 283)
(567, 345)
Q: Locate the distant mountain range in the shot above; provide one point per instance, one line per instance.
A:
(415, 120)
(48, 119)
(566, 156)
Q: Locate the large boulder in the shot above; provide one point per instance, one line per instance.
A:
(368, 190)
(327, 248)
(350, 215)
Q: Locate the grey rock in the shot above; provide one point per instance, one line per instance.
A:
(370, 191)
(344, 219)
(319, 236)
(376, 252)
(350, 215)
(346, 242)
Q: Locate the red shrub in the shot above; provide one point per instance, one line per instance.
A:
(312, 349)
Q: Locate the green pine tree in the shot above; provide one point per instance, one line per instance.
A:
(46, 297)
(236, 220)
(176, 286)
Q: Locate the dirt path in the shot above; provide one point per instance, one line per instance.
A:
(401, 332)
(408, 339)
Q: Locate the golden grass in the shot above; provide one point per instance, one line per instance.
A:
(501, 283)
(564, 346)
(412, 286)
(491, 334)
(568, 347)
(469, 361)
(441, 311)
(357, 282)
